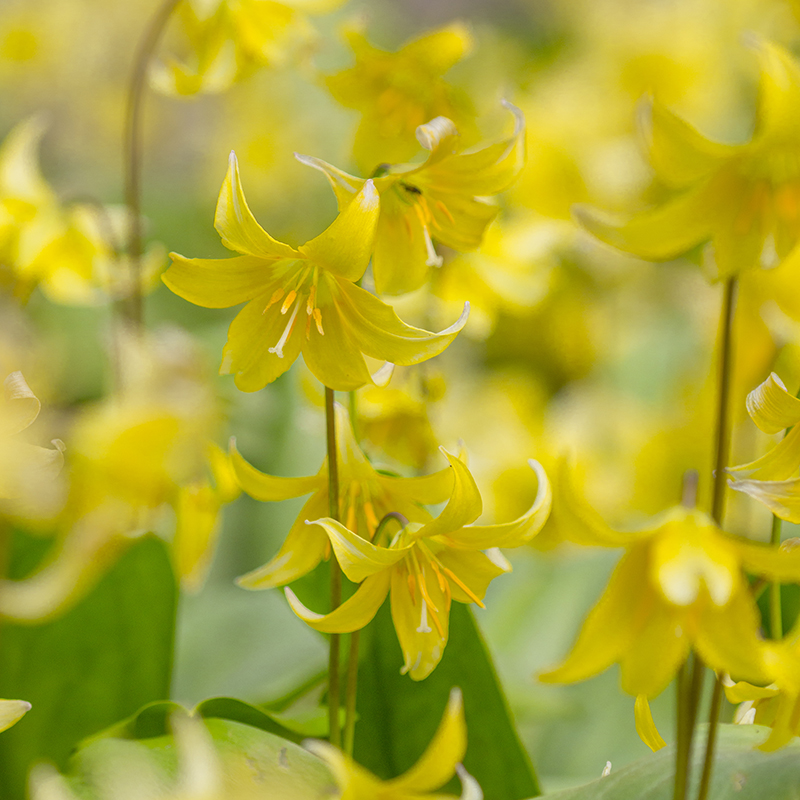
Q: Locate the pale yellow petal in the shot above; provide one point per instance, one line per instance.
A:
(197, 512)
(772, 407)
(270, 488)
(11, 712)
(776, 465)
(345, 186)
(21, 405)
(646, 726)
(782, 498)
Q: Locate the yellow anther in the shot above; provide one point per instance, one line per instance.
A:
(453, 577)
(318, 320)
(276, 295)
(287, 303)
(446, 211)
(369, 513)
(312, 296)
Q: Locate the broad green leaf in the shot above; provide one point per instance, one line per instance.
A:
(398, 716)
(741, 772)
(99, 663)
(252, 762)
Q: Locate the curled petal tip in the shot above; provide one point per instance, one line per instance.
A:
(519, 117)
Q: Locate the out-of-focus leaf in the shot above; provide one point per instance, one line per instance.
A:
(398, 716)
(740, 772)
(82, 672)
(253, 764)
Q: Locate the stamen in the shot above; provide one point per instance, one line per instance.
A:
(409, 229)
(446, 211)
(442, 580)
(434, 259)
(308, 328)
(312, 294)
(276, 295)
(423, 622)
(318, 320)
(453, 577)
(287, 332)
(372, 519)
(288, 301)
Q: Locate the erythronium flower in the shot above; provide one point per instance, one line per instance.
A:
(438, 199)
(301, 300)
(768, 479)
(11, 712)
(365, 497)
(435, 767)
(745, 199)
(425, 567)
(396, 92)
(679, 584)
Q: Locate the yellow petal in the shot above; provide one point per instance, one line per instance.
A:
(399, 263)
(679, 154)
(438, 763)
(645, 726)
(353, 614)
(782, 498)
(218, 282)
(351, 778)
(269, 488)
(514, 533)
(778, 115)
(345, 247)
(475, 571)
(303, 549)
(441, 49)
(463, 507)
(440, 137)
(381, 334)
(345, 186)
(780, 564)
(11, 712)
(237, 226)
(612, 625)
(772, 407)
(20, 177)
(226, 483)
(358, 558)
(197, 525)
(742, 691)
(776, 465)
(783, 731)
(659, 234)
(429, 490)
(251, 353)
(21, 405)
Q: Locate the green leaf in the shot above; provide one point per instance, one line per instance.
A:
(100, 662)
(253, 763)
(740, 771)
(398, 716)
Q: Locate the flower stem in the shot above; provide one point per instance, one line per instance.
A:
(350, 697)
(131, 308)
(336, 572)
(722, 450)
(775, 615)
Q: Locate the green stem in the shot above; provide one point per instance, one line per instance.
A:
(351, 692)
(683, 742)
(354, 414)
(722, 447)
(336, 572)
(775, 615)
(131, 309)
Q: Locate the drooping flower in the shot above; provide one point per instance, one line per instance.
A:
(435, 767)
(11, 712)
(768, 479)
(744, 199)
(301, 300)
(365, 497)
(424, 567)
(397, 92)
(438, 199)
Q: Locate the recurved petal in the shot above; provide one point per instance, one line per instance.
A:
(303, 549)
(741, 692)
(269, 488)
(352, 779)
(678, 152)
(19, 163)
(659, 234)
(514, 533)
(645, 726)
(358, 558)
(447, 748)
(460, 221)
(782, 498)
(427, 490)
(345, 186)
(464, 506)
(353, 614)
(440, 136)
(381, 334)
(345, 247)
(218, 282)
(612, 625)
(11, 712)
(772, 407)
(236, 224)
(776, 465)
(780, 564)
(21, 405)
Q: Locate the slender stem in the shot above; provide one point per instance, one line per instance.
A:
(132, 308)
(775, 615)
(681, 750)
(336, 572)
(722, 444)
(351, 692)
(353, 398)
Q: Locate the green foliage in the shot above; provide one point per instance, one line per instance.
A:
(398, 716)
(740, 771)
(98, 663)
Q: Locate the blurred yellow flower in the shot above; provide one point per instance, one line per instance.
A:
(397, 92)
(745, 198)
(438, 199)
(11, 712)
(435, 767)
(316, 281)
(425, 567)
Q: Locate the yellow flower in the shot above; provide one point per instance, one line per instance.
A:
(365, 497)
(679, 584)
(438, 199)
(227, 39)
(11, 712)
(435, 767)
(767, 479)
(744, 199)
(397, 92)
(302, 299)
(425, 567)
